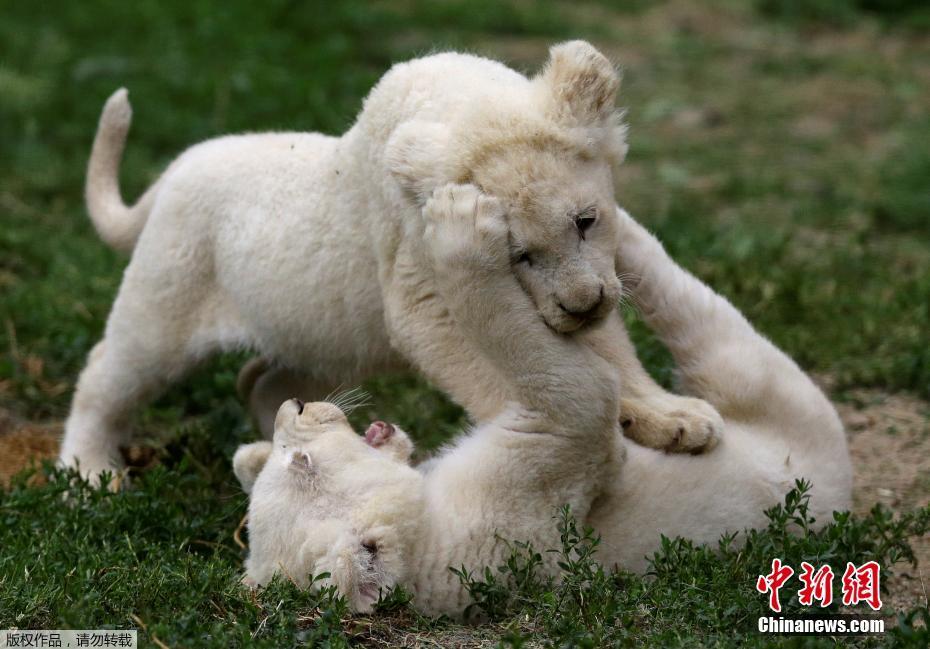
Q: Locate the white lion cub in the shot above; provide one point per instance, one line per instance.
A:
(304, 247)
(503, 480)
(309, 515)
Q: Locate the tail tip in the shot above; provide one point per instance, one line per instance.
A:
(117, 111)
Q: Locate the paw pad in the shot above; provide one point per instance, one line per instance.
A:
(378, 433)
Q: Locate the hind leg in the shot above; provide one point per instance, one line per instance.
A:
(120, 377)
(92, 431)
(157, 330)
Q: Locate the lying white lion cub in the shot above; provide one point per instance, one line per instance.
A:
(303, 247)
(308, 515)
(508, 476)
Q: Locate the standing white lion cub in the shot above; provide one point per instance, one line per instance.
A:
(301, 246)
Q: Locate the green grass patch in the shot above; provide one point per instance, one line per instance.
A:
(162, 554)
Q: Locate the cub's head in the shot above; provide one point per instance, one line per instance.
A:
(326, 500)
(548, 150)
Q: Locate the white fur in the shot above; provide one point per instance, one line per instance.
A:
(301, 246)
(778, 425)
(551, 446)
(309, 516)
(507, 477)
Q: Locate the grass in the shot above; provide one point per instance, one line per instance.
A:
(681, 604)
(160, 557)
(779, 156)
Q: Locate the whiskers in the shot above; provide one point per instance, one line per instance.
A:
(349, 400)
(628, 296)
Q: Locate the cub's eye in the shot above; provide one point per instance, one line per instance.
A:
(522, 257)
(584, 220)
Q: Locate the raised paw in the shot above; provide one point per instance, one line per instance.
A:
(389, 438)
(672, 423)
(378, 433)
(465, 228)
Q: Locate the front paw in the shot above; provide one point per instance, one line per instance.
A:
(465, 229)
(672, 423)
(92, 467)
(389, 438)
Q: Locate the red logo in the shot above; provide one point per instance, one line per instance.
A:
(772, 583)
(817, 585)
(860, 584)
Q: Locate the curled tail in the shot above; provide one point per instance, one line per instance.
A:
(117, 224)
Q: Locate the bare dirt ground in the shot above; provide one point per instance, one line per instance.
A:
(23, 443)
(889, 440)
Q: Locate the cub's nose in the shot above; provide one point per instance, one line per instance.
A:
(586, 310)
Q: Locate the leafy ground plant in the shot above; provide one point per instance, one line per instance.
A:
(679, 601)
(160, 557)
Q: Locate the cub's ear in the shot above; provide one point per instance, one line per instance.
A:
(301, 461)
(416, 154)
(249, 461)
(580, 82)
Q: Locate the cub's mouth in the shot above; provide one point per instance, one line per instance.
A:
(315, 414)
(565, 322)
